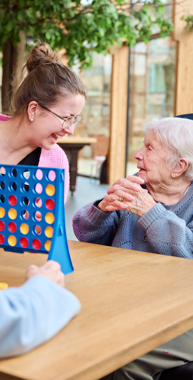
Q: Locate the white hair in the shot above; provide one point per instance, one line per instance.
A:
(176, 135)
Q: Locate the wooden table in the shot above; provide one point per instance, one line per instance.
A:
(71, 146)
(131, 303)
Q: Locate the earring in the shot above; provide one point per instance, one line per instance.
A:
(31, 119)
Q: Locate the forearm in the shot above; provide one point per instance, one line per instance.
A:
(92, 225)
(33, 313)
(167, 233)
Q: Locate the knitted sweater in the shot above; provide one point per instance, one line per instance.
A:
(55, 158)
(158, 231)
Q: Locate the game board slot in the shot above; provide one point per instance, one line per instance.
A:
(2, 198)
(2, 171)
(38, 188)
(13, 172)
(25, 214)
(26, 174)
(51, 175)
(25, 187)
(2, 185)
(12, 186)
(25, 201)
(38, 202)
(37, 230)
(38, 216)
(39, 174)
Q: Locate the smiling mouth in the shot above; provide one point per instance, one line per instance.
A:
(56, 136)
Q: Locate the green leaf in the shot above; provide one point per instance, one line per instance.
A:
(10, 26)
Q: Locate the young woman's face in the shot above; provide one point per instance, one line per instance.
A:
(47, 128)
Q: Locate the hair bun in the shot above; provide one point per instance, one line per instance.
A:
(41, 54)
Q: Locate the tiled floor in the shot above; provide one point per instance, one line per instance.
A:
(87, 190)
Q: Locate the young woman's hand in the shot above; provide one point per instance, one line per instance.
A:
(51, 269)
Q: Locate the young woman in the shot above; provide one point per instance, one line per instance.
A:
(45, 107)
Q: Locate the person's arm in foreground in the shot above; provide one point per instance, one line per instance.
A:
(36, 311)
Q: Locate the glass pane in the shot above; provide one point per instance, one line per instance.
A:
(152, 86)
(96, 113)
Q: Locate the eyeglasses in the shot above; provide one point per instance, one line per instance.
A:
(67, 121)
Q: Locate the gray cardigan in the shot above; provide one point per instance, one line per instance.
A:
(158, 231)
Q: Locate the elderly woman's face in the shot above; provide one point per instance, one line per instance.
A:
(152, 161)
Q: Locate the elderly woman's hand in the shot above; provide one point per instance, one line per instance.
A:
(121, 193)
(127, 194)
(141, 203)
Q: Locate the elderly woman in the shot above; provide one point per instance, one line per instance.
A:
(151, 211)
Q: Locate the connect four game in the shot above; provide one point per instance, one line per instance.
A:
(32, 212)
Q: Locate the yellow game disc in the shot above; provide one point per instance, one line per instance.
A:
(2, 212)
(48, 232)
(12, 240)
(24, 228)
(47, 245)
(12, 213)
(49, 218)
(3, 285)
(50, 190)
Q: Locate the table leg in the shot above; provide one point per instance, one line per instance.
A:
(73, 170)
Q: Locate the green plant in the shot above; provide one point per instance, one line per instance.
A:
(78, 26)
(189, 22)
(82, 26)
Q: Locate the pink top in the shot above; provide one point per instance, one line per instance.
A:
(54, 158)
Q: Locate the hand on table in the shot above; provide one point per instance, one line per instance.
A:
(51, 269)
(126, 193)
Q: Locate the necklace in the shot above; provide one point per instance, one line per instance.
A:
(185, 191)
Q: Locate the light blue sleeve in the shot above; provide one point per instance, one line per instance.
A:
(32, 314)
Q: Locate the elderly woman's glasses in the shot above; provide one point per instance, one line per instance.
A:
(67, 121)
